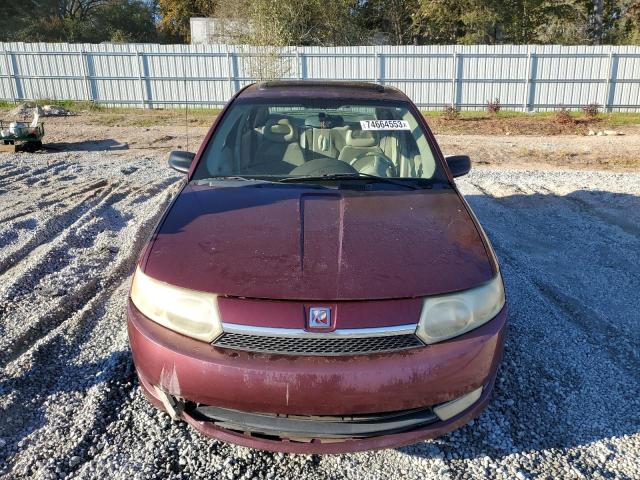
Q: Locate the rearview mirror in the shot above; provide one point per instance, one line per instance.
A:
(458, 164)
(180, 160)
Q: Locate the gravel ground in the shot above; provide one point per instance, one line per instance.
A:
(566, 403)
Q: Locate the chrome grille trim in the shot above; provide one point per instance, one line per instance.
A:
(407, 329)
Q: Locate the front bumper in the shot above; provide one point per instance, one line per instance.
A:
(317, 386)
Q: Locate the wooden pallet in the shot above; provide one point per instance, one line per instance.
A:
(21, 147)
(8, 148)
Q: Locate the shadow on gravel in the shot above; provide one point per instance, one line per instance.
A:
(571, 368)
(87, 146)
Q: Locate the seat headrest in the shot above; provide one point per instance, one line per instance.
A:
(279, 130)
(361, 138)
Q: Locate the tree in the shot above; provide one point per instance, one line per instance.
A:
(547, 22)
(564, 24)
(483, 22)
(517, 21)
(395, 18)
(79, 9)
(127, 21)
(14, 19)
(525, 20)
(174, 22)
(461, 21)
(629, 25)
(82, 21)
(598, 20)
(291, 22)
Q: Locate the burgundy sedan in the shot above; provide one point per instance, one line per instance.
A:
(319, 285)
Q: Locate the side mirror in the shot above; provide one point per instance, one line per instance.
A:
(181, 161)
(458, 164)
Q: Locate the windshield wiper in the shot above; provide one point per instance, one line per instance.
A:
(258, 182)
(228, 177)
(352, 176)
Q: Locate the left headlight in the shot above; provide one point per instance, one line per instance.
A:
(189, 312)
(450, 315)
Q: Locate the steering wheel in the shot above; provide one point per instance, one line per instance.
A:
(374, 163)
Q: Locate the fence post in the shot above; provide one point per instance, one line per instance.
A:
(609, 80)
(143, 94)
(10, 77)
(233, 71)
(527, 82)
(381, 59)
(87, 77)
(374, 76)
(298, 65)
(454, 80)
(229, 77)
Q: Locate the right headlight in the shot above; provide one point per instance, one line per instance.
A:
(450, 315)
(185, 311)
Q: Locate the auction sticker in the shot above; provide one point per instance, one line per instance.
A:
(384, 125)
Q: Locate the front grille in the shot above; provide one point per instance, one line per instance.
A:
(317, 345)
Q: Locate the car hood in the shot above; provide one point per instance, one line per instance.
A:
(299, 243)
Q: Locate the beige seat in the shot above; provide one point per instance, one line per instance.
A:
(318, 142)
(339, 136)
(358, 144)
(278, 151)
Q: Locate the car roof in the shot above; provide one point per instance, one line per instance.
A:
(322, 89)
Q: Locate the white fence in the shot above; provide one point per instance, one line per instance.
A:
(522, 77)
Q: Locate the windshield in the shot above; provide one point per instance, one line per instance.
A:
(280, 140)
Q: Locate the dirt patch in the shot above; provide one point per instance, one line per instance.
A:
(150, 117)
(524, 125)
